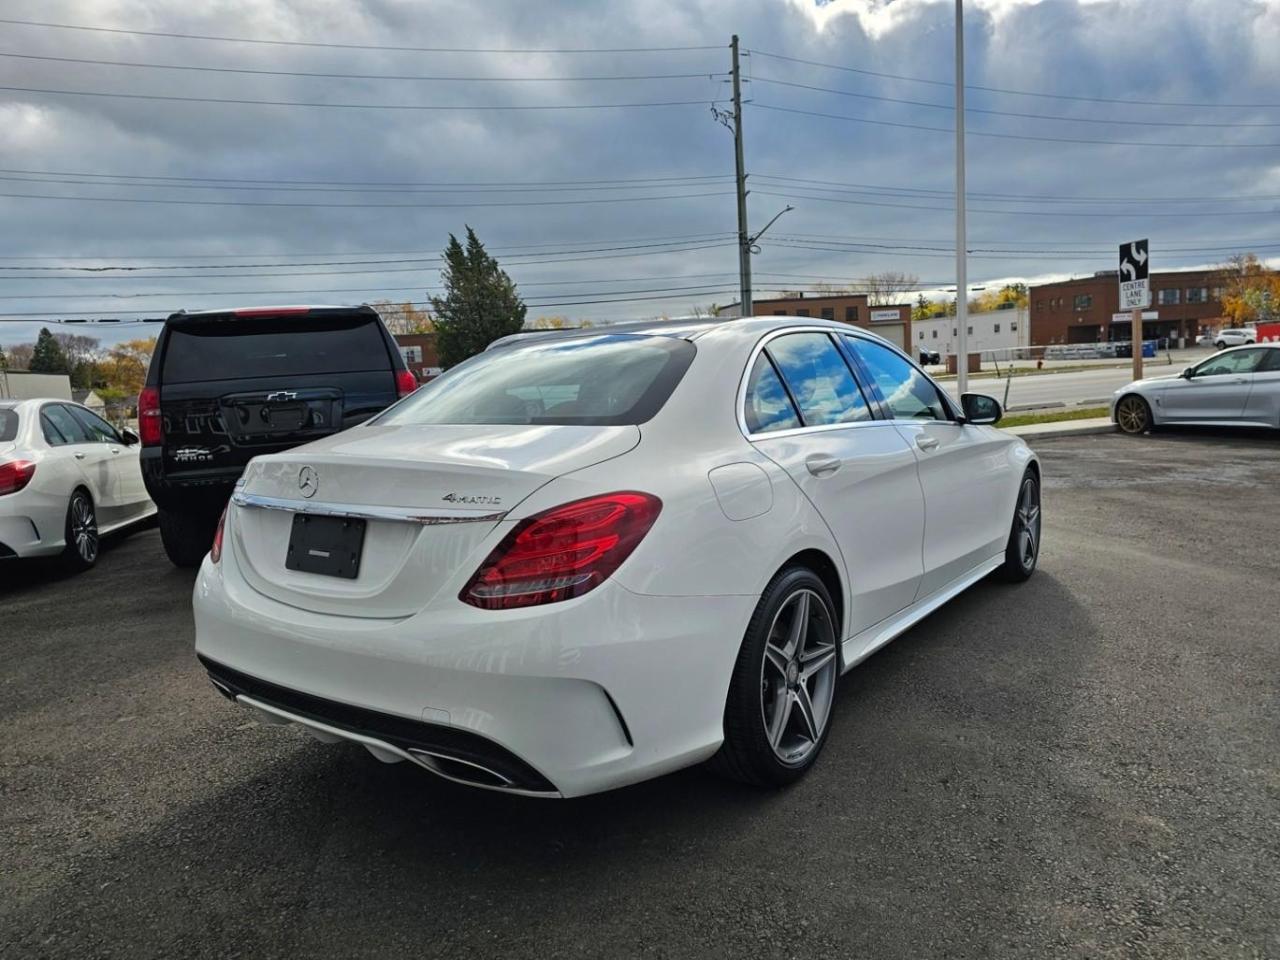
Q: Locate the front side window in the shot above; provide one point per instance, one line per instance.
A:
(1237, 362)
(768, 407)
(604, 380)
(908, 393)
(819, 379)
(1271, 364)
(66, 429)
(97, 428)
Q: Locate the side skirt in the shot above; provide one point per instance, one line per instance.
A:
(859, 647)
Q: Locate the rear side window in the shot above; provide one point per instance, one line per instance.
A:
(909, 394)
(66, 429)
(767, 406)
(603, 380)
(281, 347)
(1270, 365)
(8, 425)
(819, 379)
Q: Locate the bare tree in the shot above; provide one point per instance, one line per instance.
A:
(20, 355)
(887, 287)
(404, 317)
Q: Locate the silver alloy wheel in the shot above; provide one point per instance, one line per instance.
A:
(1028, 523)
(1132, 415)
(798, 676)
(84, 528)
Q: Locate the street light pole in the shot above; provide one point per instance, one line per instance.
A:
(962, 279)
(746, 308)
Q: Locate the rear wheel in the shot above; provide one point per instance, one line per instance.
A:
(81, 550)
(1023, 549)
(1133, 415)
(1221, 344)
(186, 537)
(782, 694)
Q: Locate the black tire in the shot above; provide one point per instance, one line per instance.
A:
(1221, 345)
(1133, 415)
(81, 533)
(1019, 562)
(186, 537)
(748, 754)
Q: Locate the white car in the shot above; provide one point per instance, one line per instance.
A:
(1235, 337)
(67, 477)
(587, 558)
(1239, 387)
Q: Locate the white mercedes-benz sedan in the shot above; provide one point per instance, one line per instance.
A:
(1239, 387)
(67, 477)
(586, 558)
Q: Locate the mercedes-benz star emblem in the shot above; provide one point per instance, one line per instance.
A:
(308, 481)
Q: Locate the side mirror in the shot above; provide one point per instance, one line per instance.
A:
(129, 437)
(980, 409)
(1187, 373)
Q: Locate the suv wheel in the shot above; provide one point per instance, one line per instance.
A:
(186, 537)
(782, 694)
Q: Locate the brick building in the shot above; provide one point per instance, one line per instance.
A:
(1186, 303)
(419, 352)
(892, 322)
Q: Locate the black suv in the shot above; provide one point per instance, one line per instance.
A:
(225, 386)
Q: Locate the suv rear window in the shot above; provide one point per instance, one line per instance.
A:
(8, 424)
(272, 347)
(602, 380)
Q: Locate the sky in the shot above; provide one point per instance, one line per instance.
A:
(608, 194)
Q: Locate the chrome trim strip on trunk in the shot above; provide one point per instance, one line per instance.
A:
(426, 516)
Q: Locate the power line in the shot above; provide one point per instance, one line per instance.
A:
(361, 206)
(351, 46)
(1008, 113)
(367, 183)
(1128, 101)
(240, 101)
(1006, 136)
(364, 76)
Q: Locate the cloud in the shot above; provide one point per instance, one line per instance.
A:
(894, 213)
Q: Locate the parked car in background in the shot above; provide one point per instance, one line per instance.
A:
(67, 477)
(228, 385)
(587, 558)
(1237, 387)
(929, 357)
(1235, 337)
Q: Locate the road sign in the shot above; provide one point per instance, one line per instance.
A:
(1135, 288)
(1127, 317)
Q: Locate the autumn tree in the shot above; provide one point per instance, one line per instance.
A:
(48, 356)
(480, 303)
(1010, 293)
(1251, 290)
(123, 371)
(404, 317)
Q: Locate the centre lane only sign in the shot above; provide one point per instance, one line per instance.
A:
(1135, 287)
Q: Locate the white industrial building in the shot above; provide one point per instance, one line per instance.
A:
(995, 334)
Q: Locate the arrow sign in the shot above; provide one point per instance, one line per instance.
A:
(1135, 286)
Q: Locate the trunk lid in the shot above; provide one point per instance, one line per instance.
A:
(428, 496)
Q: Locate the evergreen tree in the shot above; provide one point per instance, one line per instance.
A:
(480, 303)
(48, 356)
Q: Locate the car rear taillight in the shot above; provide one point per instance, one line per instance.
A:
(563, 552)
(15, 474)
(406, 382)
(215, 552)
(150, 424)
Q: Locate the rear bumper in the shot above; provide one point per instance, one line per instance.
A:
(190, 492)
(577, 697)
(32, 524)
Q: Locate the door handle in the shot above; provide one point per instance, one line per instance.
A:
(79, 456)
(822, 465)
(926, 442)
(115, 449)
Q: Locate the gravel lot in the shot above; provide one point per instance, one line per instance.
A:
(1086, 765)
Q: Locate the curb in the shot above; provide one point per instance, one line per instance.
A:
(1038, 431)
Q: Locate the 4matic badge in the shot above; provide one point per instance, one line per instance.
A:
(468, 498)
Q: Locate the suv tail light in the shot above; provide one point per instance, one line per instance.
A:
(406, 382)
(215, 551)
(150, 424)
(15, 474)
(563, 552)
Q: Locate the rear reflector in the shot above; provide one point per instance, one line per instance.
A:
(563, 552)
(406, 382)
(15, 474)
(150, 423)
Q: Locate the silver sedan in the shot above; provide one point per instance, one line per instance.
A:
(1239, 387)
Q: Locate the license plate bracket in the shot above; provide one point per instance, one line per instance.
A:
(329, 546)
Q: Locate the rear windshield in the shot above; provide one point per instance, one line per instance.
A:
(287, 346)
(8, 424)
(603, 380)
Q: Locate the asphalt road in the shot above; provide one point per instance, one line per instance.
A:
(1072, 387)
(1087, 765)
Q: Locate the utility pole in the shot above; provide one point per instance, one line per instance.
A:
(744, 237)
(962, 277)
